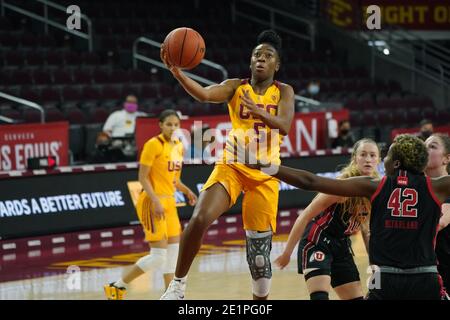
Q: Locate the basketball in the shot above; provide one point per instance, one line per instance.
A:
(185, 48)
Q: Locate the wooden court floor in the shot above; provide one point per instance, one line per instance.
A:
(219, 272)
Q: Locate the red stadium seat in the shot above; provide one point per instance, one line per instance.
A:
(71, 93)
(50, 94)
(111, 92)
(54, 58)
(62, 77)
(91, 93)
(18, 77)
(98, 115)
(82, 76)
(41, 77)
(75, 116)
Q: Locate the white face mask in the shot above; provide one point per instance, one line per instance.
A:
(313, 89)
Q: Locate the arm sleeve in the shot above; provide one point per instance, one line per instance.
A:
(152, 149)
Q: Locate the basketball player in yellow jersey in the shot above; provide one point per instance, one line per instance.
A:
(260, 104)
(159, 174)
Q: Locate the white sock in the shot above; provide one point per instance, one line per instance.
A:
(171, 259)
(121, 284)
(182, 280)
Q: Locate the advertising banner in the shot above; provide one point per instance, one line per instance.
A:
(413, 15)
(416, 131)
(23, 141)
(309, 131)
(61, 203)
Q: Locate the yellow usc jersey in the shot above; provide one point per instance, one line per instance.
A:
(245, 128)
(165, 159)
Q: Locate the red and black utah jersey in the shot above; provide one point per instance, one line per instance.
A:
(403, 222)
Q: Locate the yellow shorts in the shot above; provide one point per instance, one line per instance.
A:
(158, 229)
(260, 203)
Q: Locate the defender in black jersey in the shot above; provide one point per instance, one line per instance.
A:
(438, 146)
(326, 247)
(404, 218)
(325, 256)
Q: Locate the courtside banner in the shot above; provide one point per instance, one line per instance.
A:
(416, 131)
(59, 203)
(309, 131)
(412, 15)
(69, 202)
(23, 141)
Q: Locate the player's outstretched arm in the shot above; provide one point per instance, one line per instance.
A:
(351, 187)
(441, 187)
(319, 204)
(216, 93)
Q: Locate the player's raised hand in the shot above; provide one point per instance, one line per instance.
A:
(163, 54)
(283, 260)
(250, 104)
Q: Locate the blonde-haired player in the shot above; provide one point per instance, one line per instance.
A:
(324, 252)
(159, 173)
(258, 107)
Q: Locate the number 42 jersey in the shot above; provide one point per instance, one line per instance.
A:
(404, 221)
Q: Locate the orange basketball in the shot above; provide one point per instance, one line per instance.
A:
(185, 48)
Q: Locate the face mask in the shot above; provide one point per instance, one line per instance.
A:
(130, 107)
(313, 89)
(345, 131)
(426, 133)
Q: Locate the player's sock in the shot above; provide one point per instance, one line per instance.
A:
(182, 279)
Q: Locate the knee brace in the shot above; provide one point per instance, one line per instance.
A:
(259, 245)
(156, 259)
(171, 258)
(319, 295)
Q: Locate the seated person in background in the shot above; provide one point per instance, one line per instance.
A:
(104, 152)
(426, 129)
(345, 138)
(120, 126)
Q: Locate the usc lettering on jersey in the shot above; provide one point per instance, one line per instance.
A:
(165, 159)
(246, 128)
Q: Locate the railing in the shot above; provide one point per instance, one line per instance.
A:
(413, 53)
(6, 119)
(429, 59)
(26, 103)
(46, 20)
(272, 20)
(137, 56)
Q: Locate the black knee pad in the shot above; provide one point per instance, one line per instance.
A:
(258, 254)
(319, 295)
